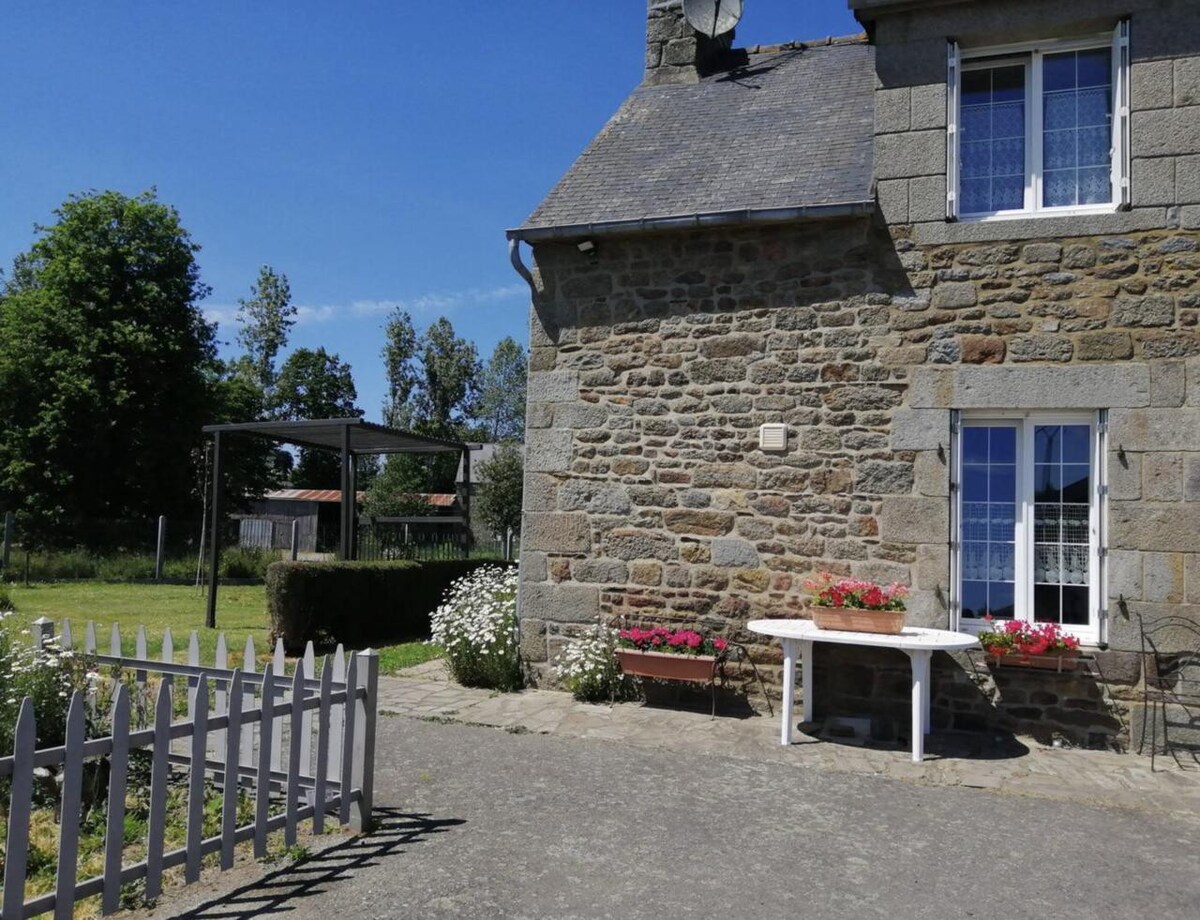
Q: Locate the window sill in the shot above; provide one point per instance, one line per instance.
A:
(1047, 214)
(1043, 225)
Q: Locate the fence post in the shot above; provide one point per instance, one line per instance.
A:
(295, 539)
(160, 547)
(10, 525)
(364, 741)
(19, 809)
(43, 632)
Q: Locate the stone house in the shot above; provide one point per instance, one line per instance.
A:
(958, 256)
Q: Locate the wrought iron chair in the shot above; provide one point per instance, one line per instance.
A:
(1171, 686)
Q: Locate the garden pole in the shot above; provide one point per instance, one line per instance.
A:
(160, 547)
(295, 539)
(347, 508)
(466, 500)
(210, 616)
(10, 524)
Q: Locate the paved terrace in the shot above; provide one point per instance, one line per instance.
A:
(1018, 766)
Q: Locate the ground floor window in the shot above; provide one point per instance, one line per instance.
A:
(1028, 541)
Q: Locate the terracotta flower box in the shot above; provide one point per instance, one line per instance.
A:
(700, 669)
(851, 619)
(1054, 661)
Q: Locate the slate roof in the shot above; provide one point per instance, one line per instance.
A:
(791, 127)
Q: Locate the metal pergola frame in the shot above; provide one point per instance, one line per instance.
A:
(352, 437)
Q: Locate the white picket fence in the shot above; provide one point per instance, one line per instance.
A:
(258, 727)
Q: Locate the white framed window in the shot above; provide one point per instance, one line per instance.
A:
(1028, 497)
(1039, 129)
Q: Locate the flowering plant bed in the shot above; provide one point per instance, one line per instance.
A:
(670, 642)
(857, 606)
(1029, 645)
(669, 654)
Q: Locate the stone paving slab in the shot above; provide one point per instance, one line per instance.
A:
(1025, 769)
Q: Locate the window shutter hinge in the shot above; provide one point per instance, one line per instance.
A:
(955, 545)
(1103, 426)
(1102, 552)
(1104, 490)
(954, 487)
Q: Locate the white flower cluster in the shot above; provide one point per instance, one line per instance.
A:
(477, 626)
(24, 671)
(587, 666)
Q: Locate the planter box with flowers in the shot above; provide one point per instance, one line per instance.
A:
(1030, 645)
(669, 654)
(857, 606)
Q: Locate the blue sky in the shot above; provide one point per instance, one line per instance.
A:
(374, 152)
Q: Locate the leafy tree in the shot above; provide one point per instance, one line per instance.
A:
(502, 393)
(312, 385)
(498, 496)
(106, 368)
(266, 319)
(432, 390)
(399, 356)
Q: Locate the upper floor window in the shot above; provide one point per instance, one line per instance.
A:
(1039, 129)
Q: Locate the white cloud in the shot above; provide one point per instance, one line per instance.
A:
(423, 305)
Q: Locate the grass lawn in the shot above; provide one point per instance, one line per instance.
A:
(241, 613)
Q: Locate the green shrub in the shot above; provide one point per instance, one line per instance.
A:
(246, 562)
(477, 626)
(6, 601)
(356, 603)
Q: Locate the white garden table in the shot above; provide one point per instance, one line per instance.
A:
(918, 643)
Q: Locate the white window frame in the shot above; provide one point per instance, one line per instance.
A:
(1095, 632)
(1031, 55)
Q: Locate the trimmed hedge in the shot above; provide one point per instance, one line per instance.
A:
(357, 603)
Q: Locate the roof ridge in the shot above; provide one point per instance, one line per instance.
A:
(858, 38)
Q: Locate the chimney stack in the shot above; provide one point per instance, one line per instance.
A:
(675, 52)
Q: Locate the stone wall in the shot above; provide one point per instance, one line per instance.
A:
(655, 359)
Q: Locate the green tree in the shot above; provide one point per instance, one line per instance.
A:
(498, 496)
(266, 319)
(432, 390)
(502, 393)
(106, 368)
(314, 384)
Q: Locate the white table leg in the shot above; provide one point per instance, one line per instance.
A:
(789, 689)
(806, 677)
(920, 690)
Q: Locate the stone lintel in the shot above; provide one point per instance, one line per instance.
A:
(1031, 387)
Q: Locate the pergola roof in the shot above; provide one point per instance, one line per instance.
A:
(365, 437)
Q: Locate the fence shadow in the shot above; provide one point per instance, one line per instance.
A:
(277, 891)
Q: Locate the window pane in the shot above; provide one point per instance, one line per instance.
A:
(1093, 68)
(1047, 482)
(1095, 186)
(1077, 128)
(1047, 444)
(1062, 530)
(975, 445)
(1000, 601)
(1046, 603)
(975, 483)
(1076, 484)
(988, 527)
(1002, 445)
(1075, 606)
(974, 601)
(1076, 444)
(993, 149)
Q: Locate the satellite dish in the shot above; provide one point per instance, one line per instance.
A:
(713, 17)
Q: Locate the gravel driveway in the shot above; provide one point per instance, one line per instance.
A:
(477, 822)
